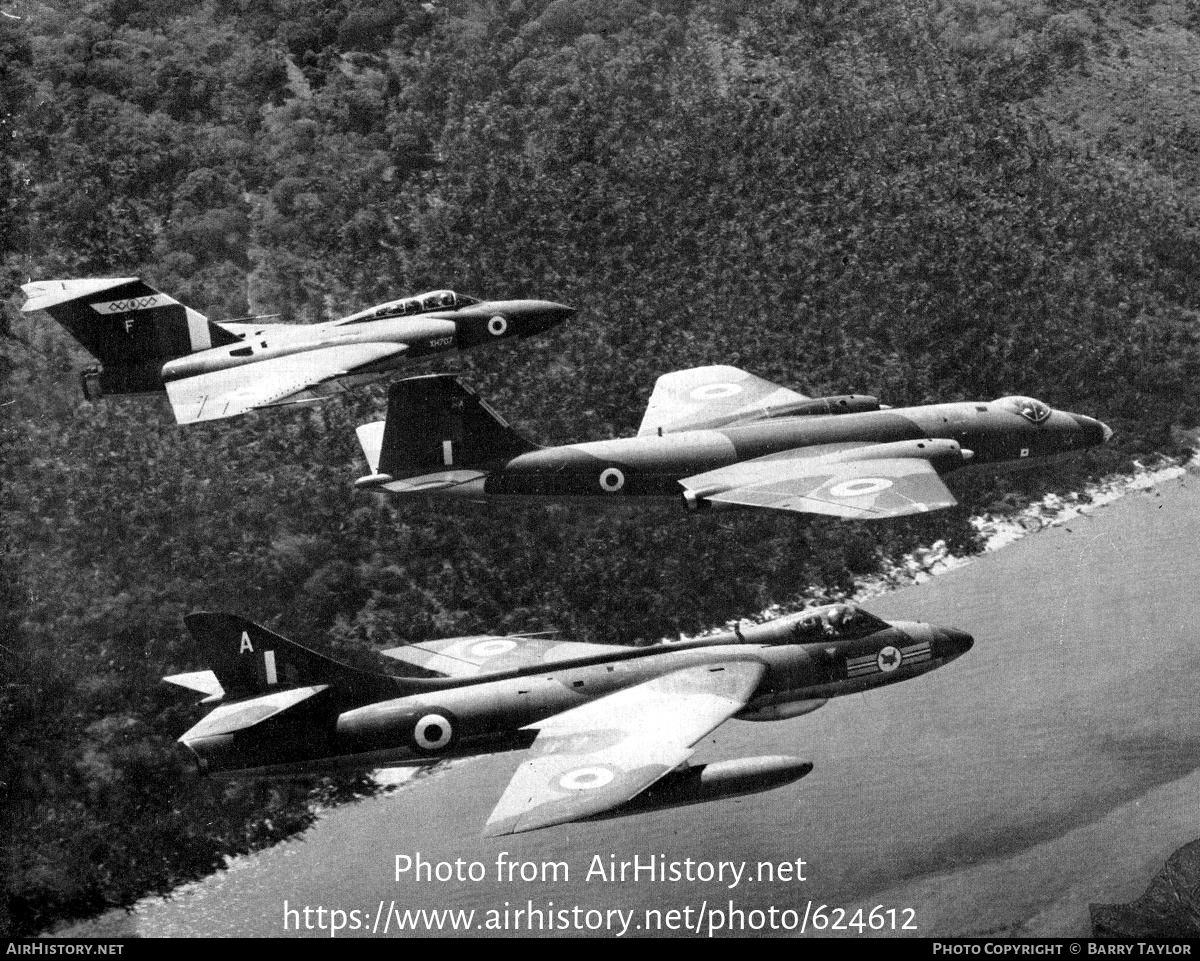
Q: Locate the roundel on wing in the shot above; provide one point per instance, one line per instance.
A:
(492, 648)
(611, 480)
(860, 487)
(889, 658)
(715, 391)
(586, 778)
(433, 731)
(497, 325)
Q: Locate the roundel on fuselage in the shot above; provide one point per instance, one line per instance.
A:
(433, 731)
(611, 480)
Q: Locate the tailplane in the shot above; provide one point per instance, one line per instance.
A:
(435, 425)
(130, 327)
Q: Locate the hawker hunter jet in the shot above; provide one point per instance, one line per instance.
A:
(608, 730)
(718, 437)
(147, 341)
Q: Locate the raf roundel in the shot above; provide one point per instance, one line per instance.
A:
(586, 778)
(432, 732)
(497, 325)
(611, 480)
(889, 658)
(860, 487)
(715, 391)
(492, 648)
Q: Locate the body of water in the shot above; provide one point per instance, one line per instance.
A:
(1053, 765)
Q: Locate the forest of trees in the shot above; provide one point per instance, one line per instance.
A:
(838, 196)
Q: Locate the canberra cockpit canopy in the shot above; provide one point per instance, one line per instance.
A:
(1032, 410)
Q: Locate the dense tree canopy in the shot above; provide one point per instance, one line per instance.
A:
(837, 196)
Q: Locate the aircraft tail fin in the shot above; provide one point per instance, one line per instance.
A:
(248, 660)
(130, 327)
(436, 425)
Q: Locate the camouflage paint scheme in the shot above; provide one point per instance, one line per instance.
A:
(719, 437)
(609, 729)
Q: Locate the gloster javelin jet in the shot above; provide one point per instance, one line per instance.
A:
(608, 729)
(718, 437)
(147, 341)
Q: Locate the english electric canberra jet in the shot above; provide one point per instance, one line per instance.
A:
(147, 341)
(608, 729)
(718, 437)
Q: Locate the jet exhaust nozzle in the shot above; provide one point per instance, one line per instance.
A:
(193, 763)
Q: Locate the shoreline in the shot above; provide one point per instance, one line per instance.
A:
(1000, 530)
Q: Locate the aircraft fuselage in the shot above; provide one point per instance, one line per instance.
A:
(422, 336)
(653, 466)
(445, 718)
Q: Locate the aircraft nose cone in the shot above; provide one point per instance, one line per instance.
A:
(535, 316)
(951, 643)
(557, 313)
(1095, 432)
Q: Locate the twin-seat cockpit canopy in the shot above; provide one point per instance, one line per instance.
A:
(421, 304)
(1032, 410)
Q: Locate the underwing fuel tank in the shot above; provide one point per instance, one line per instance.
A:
(708, 782)
(783, 711)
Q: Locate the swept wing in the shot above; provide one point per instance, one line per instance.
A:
(864, 482)
(235, 390)
(601, 754)
(489, 654)
(706, 397)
